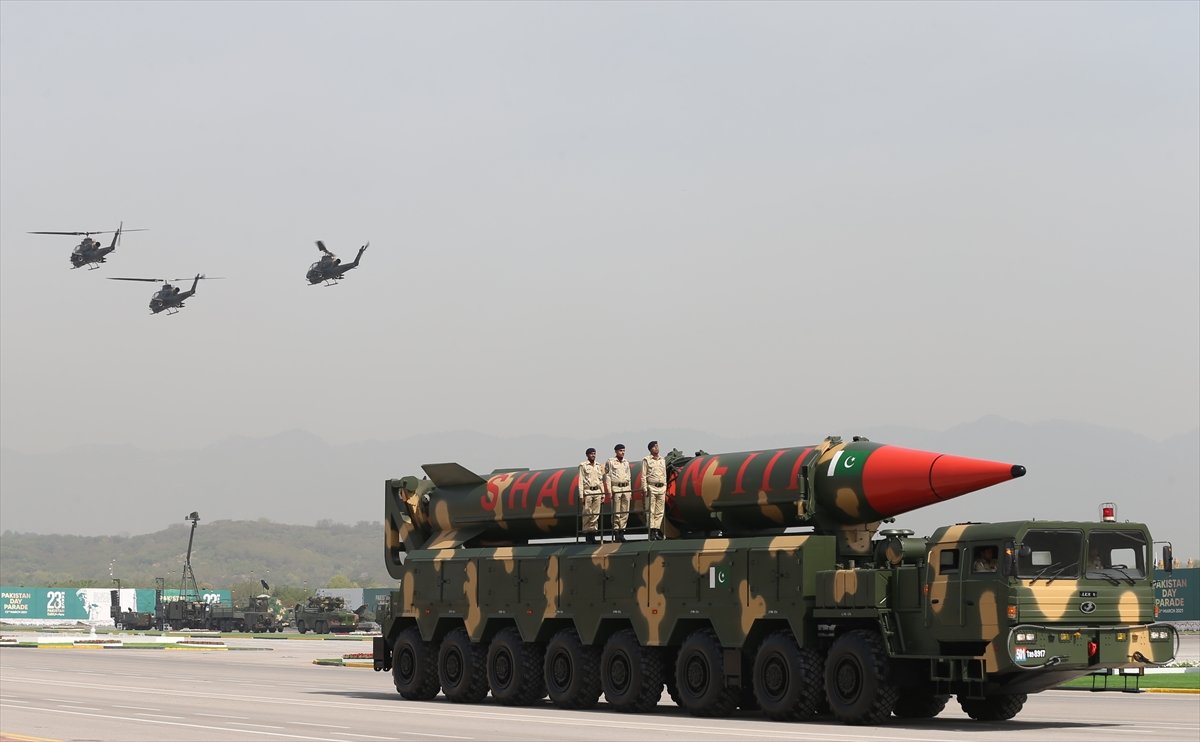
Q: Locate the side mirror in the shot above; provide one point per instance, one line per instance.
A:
(1168, 559)
(1008, 565)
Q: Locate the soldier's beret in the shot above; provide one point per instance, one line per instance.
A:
(590, 450)
(619, 447)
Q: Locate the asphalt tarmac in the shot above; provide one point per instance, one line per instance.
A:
(276, 693)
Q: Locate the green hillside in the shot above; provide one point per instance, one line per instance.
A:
(225, 553)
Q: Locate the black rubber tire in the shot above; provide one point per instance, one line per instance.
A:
(514, 669)
(919, 703)
(788, 682)
(700, 676)
(414, 666)
(631, 675)
(669, 656)
(858, 679)
(322, 627)
(301, 627)
(462, 668)
(571, 670)
(993, 708)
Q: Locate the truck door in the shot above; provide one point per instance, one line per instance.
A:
(944, 595)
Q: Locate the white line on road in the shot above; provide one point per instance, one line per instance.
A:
(179, 724)
(78, 708)
(310, 724)
(159, 716)
(222, 716)
(135, 708)
(364, 736)
(248, 724)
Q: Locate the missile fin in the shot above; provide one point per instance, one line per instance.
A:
(452, 475)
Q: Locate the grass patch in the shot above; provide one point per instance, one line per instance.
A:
(1188, 681)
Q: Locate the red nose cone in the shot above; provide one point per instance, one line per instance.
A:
(897, 480)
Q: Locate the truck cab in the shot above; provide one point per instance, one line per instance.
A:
(1040, 602)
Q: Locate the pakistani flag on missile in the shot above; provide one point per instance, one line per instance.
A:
(846, 463)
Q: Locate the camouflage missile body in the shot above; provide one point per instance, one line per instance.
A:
(734, 610)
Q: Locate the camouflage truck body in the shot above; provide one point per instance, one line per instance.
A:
(263, 614)
(179, 615)
(790, 623)
(323, 615)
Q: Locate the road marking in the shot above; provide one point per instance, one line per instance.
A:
(223, 716)
(248, 724)
(364, 736)
(135, 708)
(159, 716)
(78, 708)
(310, 724)
(179, 724)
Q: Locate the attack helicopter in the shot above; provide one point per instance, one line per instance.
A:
(169, 298)
(329, 269)
(91, 252)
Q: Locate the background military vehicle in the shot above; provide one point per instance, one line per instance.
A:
(324, 614)
(736, 609)
(183, 613)
(261, 614)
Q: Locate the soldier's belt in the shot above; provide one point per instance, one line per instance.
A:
(591, 489)
(620, 484)
(657, 484)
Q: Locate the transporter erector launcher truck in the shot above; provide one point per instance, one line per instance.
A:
(736, 608)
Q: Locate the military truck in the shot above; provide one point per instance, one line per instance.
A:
(183, 614)
(737, 609)
(261, 614)
(324, 614)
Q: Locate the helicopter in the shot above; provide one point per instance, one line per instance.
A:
(329, 268)
(169, 298)
(91, 252)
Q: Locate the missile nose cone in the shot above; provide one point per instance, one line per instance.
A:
(897, 480)
(951, 476)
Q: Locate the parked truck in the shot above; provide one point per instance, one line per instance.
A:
(261, 614)
(736, 608)
(324, 614)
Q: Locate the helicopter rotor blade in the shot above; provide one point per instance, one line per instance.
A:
(78, 234)
(148, 280)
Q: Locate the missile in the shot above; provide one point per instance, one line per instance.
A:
(836, 487)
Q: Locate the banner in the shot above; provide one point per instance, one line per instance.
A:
(91, 605)
(1177, 594)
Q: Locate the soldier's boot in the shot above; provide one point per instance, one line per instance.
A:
(619, 536)
(591, 538)
(653, 534)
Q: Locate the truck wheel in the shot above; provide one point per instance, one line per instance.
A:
(993, 708)
(414, 666)
(572, 671)
(322, 627)
(301, 627)
(919, 703)
(858, 679)
(462, 668)
(631, 675)
(700, 676)
(670, 656)
(514, 669)
(788, 681)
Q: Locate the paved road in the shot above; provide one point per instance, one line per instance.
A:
(278, 694)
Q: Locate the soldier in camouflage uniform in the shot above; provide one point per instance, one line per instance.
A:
(654, 484)
(591, 493)
(619, 486)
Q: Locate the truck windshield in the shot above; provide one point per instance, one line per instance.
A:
(1116, 555)
(1050, 555)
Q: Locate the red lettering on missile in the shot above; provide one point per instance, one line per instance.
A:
(574, 489)
(550, 489)
(694, 473)
(766, 480)
(522, 484)
(794, 480)
(737, 483)
(491, 495)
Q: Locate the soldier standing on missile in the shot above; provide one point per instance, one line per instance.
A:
(654, 484)
(591, 494)
(618, 485)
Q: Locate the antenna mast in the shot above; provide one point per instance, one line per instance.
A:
(189, 578)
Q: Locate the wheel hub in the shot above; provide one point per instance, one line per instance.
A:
(848, 680)
(696, 674)
(775, 677)
(618, 672)
(454, 667)
(503, 669)
(560, 669)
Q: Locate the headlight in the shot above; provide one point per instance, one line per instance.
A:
(1159, 635)
(1026, 637)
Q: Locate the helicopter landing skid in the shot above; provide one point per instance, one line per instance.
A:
(333, 282)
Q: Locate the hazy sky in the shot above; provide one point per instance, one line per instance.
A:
(740, 218)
